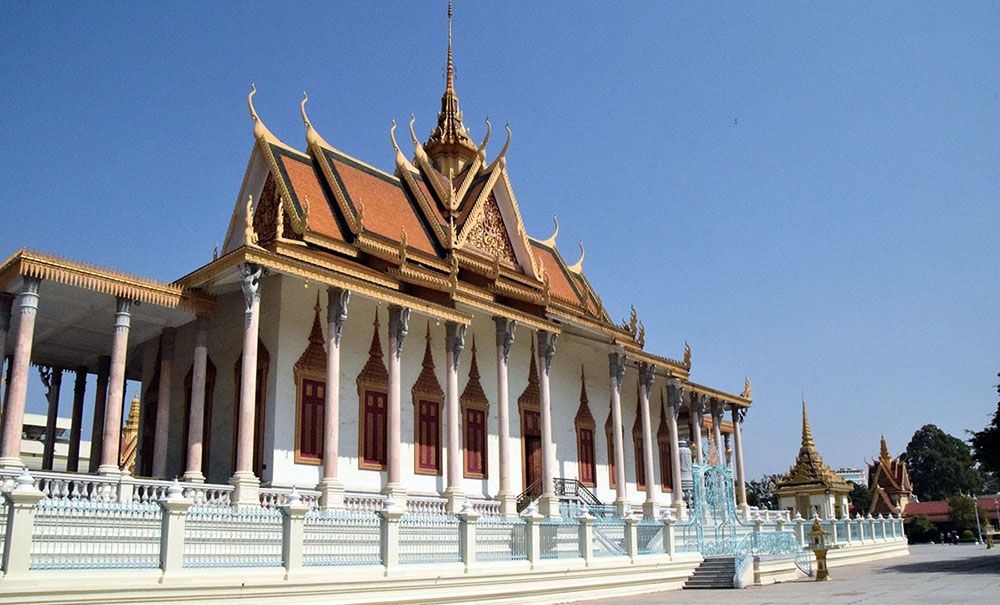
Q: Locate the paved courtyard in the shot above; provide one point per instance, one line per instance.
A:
(931, 574)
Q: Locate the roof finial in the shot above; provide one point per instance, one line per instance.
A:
(807, 436)
(577, 267)
(551, 241)
(884, 453)
(451, 67)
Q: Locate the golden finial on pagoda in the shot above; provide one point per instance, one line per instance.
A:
(577, 267)
(807, 436)
(551, 241)
(884, 453)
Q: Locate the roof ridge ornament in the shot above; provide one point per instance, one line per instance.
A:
(577, 267)
(501, 159)
(401, 162)
(312, 137)
(551, 241)
(260, 131)
(486, 139)
(747, 388)
(419, 153)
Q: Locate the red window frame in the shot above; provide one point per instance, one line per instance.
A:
(611, 458)
(428, 443)
(640, 464)
(312, 403)
(374, 427)
(585, 450)
(474, 446)
(666, 467)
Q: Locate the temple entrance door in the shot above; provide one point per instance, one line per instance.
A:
(532, 439)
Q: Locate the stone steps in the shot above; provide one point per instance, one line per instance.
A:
(716, 572)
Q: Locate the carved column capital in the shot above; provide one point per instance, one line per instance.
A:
(251, 283)
(698, 404)
(399, 326)
(718, 409)
(336, 311)
(123, 313)
(616, 368)
(51, 377)
(546, 348)
(201, 332)
(739, 414)
(454, 341)
(675, 397)
(29, 296)
(646, 377)
(505, 334)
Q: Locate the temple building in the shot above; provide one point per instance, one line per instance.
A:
(888, 484)
(811, 488)
(364, 331)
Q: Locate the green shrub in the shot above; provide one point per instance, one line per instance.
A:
(922, 530)
(967, 536)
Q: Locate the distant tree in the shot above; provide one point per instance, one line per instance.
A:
(986, 443)
(920, 529)
(759, 492)
(962, 512)
(941, 465)
(860, 498)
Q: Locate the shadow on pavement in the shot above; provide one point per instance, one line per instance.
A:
(981, 563)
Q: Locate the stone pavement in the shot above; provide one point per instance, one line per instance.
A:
(931, 574)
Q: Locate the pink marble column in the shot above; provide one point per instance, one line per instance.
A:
(330, 488)
(52, 379)
(696, 409)
(505, 339)
(616, 363)
(399, 320)
(76, 423)
(6, 302)
(110, 448)
(675, 398)
(100, 404)
(162, 431)
(741, 486)
(13, 417)
(650, 508)
(548, 502)
(720, 451)
(246, 485)
(196, 415)
(454, 343)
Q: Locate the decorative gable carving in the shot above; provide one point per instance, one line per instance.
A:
(489, 234)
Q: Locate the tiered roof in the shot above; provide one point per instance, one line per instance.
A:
(809, 474)
(888, 481)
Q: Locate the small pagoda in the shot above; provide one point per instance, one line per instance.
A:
(811, 488)
(888, 484)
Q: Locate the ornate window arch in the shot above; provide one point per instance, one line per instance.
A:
(529, 409)
(427, 401)
(475, 414)
(585, 425)
(373, 402)
(663, 448)
(310, 395)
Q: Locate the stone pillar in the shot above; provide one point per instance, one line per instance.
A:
(548, 503)
(505, 339)
(467, 535)
(162, 431)
(21, 504)
(669, 536)
(52, 379)
(6, 303)
(616, 364)
(738, 414)
(196, 415)
(585, 537)
(172, 525)
(651, 506)
(533, 535)
(293, 514)
(331, 490)
(696, 410)
(13, 413)
(111, 446)
(718, 410)
(675, 397)
(100, 405)
(454, 343)
(632, 537)
(246, 485)
(389, 530)
(76, 423)
(399, 322)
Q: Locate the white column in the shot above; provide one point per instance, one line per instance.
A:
(330, 488)
(76, 423)
(548, 502)
(52, 379)
(161, 436)
(246, 485)
(616, 362)
(651, 507)
(399, 320)
(196, 416)
(675, 398)
(741, 486)
(696, 410)
(111, 447)
(454, 343)
(505, 339)
(17, 390)
(717, 412)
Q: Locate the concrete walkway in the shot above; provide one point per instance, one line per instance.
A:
(931, 574)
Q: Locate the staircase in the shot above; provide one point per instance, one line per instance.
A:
(716, 572)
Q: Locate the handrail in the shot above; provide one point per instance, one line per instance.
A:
(528, 495)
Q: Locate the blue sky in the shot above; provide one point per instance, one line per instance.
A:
(805, 192)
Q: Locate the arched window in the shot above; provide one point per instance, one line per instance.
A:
(531, 434)
(310, 395)
(640, 460)
(584, 423)
(427, 400)
(663, 448)
(609, 434)
(475, 410)
(373, 400)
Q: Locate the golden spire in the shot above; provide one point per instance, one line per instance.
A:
(807, 436)
(884, 453)
(450, 146)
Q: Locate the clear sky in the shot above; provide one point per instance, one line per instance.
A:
(806, 192)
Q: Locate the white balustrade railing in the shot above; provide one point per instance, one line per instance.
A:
(273, 497)
(486, 508)
(363, 502)
(426, 504)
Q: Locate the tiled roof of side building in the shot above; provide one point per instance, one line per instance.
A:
(305, 184)
(560, 283)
